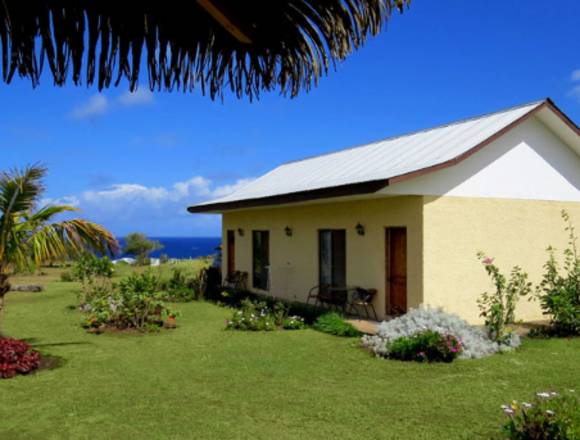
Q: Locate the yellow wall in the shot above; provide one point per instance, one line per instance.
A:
(294, 260)
(443, 235)
(515, 232)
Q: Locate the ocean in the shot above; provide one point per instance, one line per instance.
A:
(181, 247)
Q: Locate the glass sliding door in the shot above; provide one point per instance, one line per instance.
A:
(332, 257)
(260, 259)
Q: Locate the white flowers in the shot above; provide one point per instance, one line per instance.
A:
(550, 412)
(475, 343)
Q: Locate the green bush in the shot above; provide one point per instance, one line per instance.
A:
(180, 287)
(498, 307)
(559, 293)
(133, 303)
(256, 316)
(425, 346)
(293, 322)
(334, 324)
(90, 266)
(66, 276)
(549, 416)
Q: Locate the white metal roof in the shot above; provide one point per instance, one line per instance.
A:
(381, 160)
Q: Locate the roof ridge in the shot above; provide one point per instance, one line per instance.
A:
(423, 130)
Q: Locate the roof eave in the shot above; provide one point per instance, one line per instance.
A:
(295, 197)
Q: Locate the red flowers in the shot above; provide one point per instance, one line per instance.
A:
(17, 357)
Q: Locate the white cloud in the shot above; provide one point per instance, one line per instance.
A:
(66, 200)
(575, 92)
(140, 96)
(127, 192)
(126, 207)
(226, 190)
(575, 75)
(96, 105)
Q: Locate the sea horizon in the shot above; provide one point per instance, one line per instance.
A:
(180, 247)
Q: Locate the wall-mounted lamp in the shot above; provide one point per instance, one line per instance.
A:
(360, 229)
(240, 232)
(288, 231)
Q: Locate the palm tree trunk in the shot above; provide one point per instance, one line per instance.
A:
(4, 289)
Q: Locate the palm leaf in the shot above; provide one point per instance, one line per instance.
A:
(286, 44)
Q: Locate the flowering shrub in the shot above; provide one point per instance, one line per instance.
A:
(334, 324)
(255, 316)
(498, 307)
(475, 343)
(293, 323)
(559, 293)
(425, 346)
(17, 357)
(94, 274)
(549, 416)
(134, 303)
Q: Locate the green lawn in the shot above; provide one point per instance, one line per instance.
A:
(201, 382)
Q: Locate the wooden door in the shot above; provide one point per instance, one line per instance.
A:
(396, 270)
(231, 250)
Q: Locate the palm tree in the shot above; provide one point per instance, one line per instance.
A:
(27, 239)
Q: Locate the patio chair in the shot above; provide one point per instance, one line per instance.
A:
(363, 299)
(318, 293)
(237, 280)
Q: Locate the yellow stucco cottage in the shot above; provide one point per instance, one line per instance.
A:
(407, 215)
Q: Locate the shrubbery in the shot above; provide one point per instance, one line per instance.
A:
(559, 292)
(475, 343)
(17, 357)
(259, 316)
(133, 303)
(181, 286)
(425, 346)
(548, 416)
(334, 324)
(94, 274)
(498, 307)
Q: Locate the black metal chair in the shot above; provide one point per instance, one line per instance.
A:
(363, 298)
(318, 293)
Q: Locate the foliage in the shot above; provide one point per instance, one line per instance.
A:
(140, 246)
(234, 297)
(334, 324)
(66, 276)
(498, 308)
(287, 47)
(559, 293)
(475, 343)
(180, 287)
(425, 346)
(293, 322)
(133, 303)
(549, 416)
(94, 274)
(27, 238)
(256, 316)
(90, 266)
(17, 357)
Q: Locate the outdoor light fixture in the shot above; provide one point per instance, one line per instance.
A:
(240, 232)
(288, 231)
(360, 229)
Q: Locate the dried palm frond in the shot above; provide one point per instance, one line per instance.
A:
(248, 46)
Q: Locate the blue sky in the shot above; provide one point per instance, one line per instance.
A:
(135, 162)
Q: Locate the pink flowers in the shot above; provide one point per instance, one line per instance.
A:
(487, 261)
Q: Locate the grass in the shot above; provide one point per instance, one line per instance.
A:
(200, 381)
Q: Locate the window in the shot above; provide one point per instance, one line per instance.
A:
(332, 257)
(260, 259)
(231, 250)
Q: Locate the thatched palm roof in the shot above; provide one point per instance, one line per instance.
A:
(247, 46)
